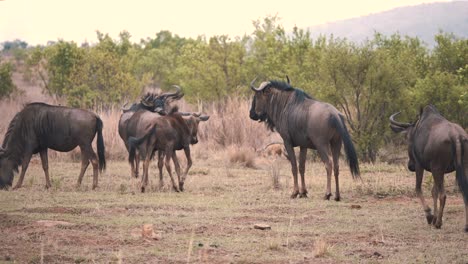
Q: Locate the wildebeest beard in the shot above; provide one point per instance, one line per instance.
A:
(261, 118)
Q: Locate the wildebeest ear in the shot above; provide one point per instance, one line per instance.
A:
(397, 129)
(204, 118)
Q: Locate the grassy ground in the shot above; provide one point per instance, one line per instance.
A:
(378, 219)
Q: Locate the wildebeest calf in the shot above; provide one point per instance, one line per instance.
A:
(167, 134)
(156, 105)
(39, 127)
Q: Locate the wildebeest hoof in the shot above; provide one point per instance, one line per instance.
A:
(327, 196)
(294, 194)
(181, 186)
(176, 189)
(438, 225)
(429, 218)
(466, 228)
(337, 198)
(142, 189)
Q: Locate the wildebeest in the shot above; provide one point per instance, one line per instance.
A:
(165, 134)
(40, 126)
(438, 146)
(305, 122)
(151, 102)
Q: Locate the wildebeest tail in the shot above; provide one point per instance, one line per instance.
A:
(351, 155)
(460, 167)
(100, 145)
(134, 142)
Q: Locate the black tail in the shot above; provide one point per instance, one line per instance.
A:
(134, 142)
(100, 145)
(351, 155)
(460, 168)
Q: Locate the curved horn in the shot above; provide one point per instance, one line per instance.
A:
(122, 108)
(178, 94)
(147, 100)
(253, 87)
(197, 114)
(287, 79)
(396, 123)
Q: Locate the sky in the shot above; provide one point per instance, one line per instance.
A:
(39, 21)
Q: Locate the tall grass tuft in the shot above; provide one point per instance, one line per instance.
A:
(228, 129)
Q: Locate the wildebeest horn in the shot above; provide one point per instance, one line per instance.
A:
(395, 123)
(147, 100)
(253, 87)
(178, 94)
(287, 79)
(198, 114)
(123, 107)
(185, 114)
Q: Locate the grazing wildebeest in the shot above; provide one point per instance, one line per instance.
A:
(438, 146)
(305, 122)
(39, 127)
(151, 102)
(165, 134)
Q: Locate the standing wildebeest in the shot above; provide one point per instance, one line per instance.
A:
(39, 127)
(165, 134)
(305, 122)
(157, 104)
(438, 146)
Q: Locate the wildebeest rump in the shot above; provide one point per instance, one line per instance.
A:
(39, 127)
(438, 146)
(159, 104)
(165, 134)
(305, 122)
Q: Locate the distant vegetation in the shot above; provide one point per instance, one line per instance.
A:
(366, 81)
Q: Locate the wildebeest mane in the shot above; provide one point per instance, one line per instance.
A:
(284, 103)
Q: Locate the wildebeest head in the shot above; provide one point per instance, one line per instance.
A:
(408, 129)
(192, 122)
(158, 103)
(259, 101)
(6, 170)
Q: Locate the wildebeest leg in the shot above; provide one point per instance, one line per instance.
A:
(84, 166)
(439, 182)
(292, 159)
(177, 168)
(168, 154)
(302, 161)
(24, 167)
(137, 164)
(324, 153)
(95, 163)
(134, 165)
(466, 217)
(160, 167)
(144, 177)
(419, 193)
(189, 165)
(45, 166)
(336, 147)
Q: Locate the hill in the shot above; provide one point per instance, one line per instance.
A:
(423, 21)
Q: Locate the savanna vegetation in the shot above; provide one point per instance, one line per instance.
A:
(366, 81)
(231, 187)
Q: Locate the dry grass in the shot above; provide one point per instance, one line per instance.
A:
(322, 248)
(212, 221)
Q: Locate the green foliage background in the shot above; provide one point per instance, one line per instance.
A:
(366, 81)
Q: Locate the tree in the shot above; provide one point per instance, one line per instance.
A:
(6, 83)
